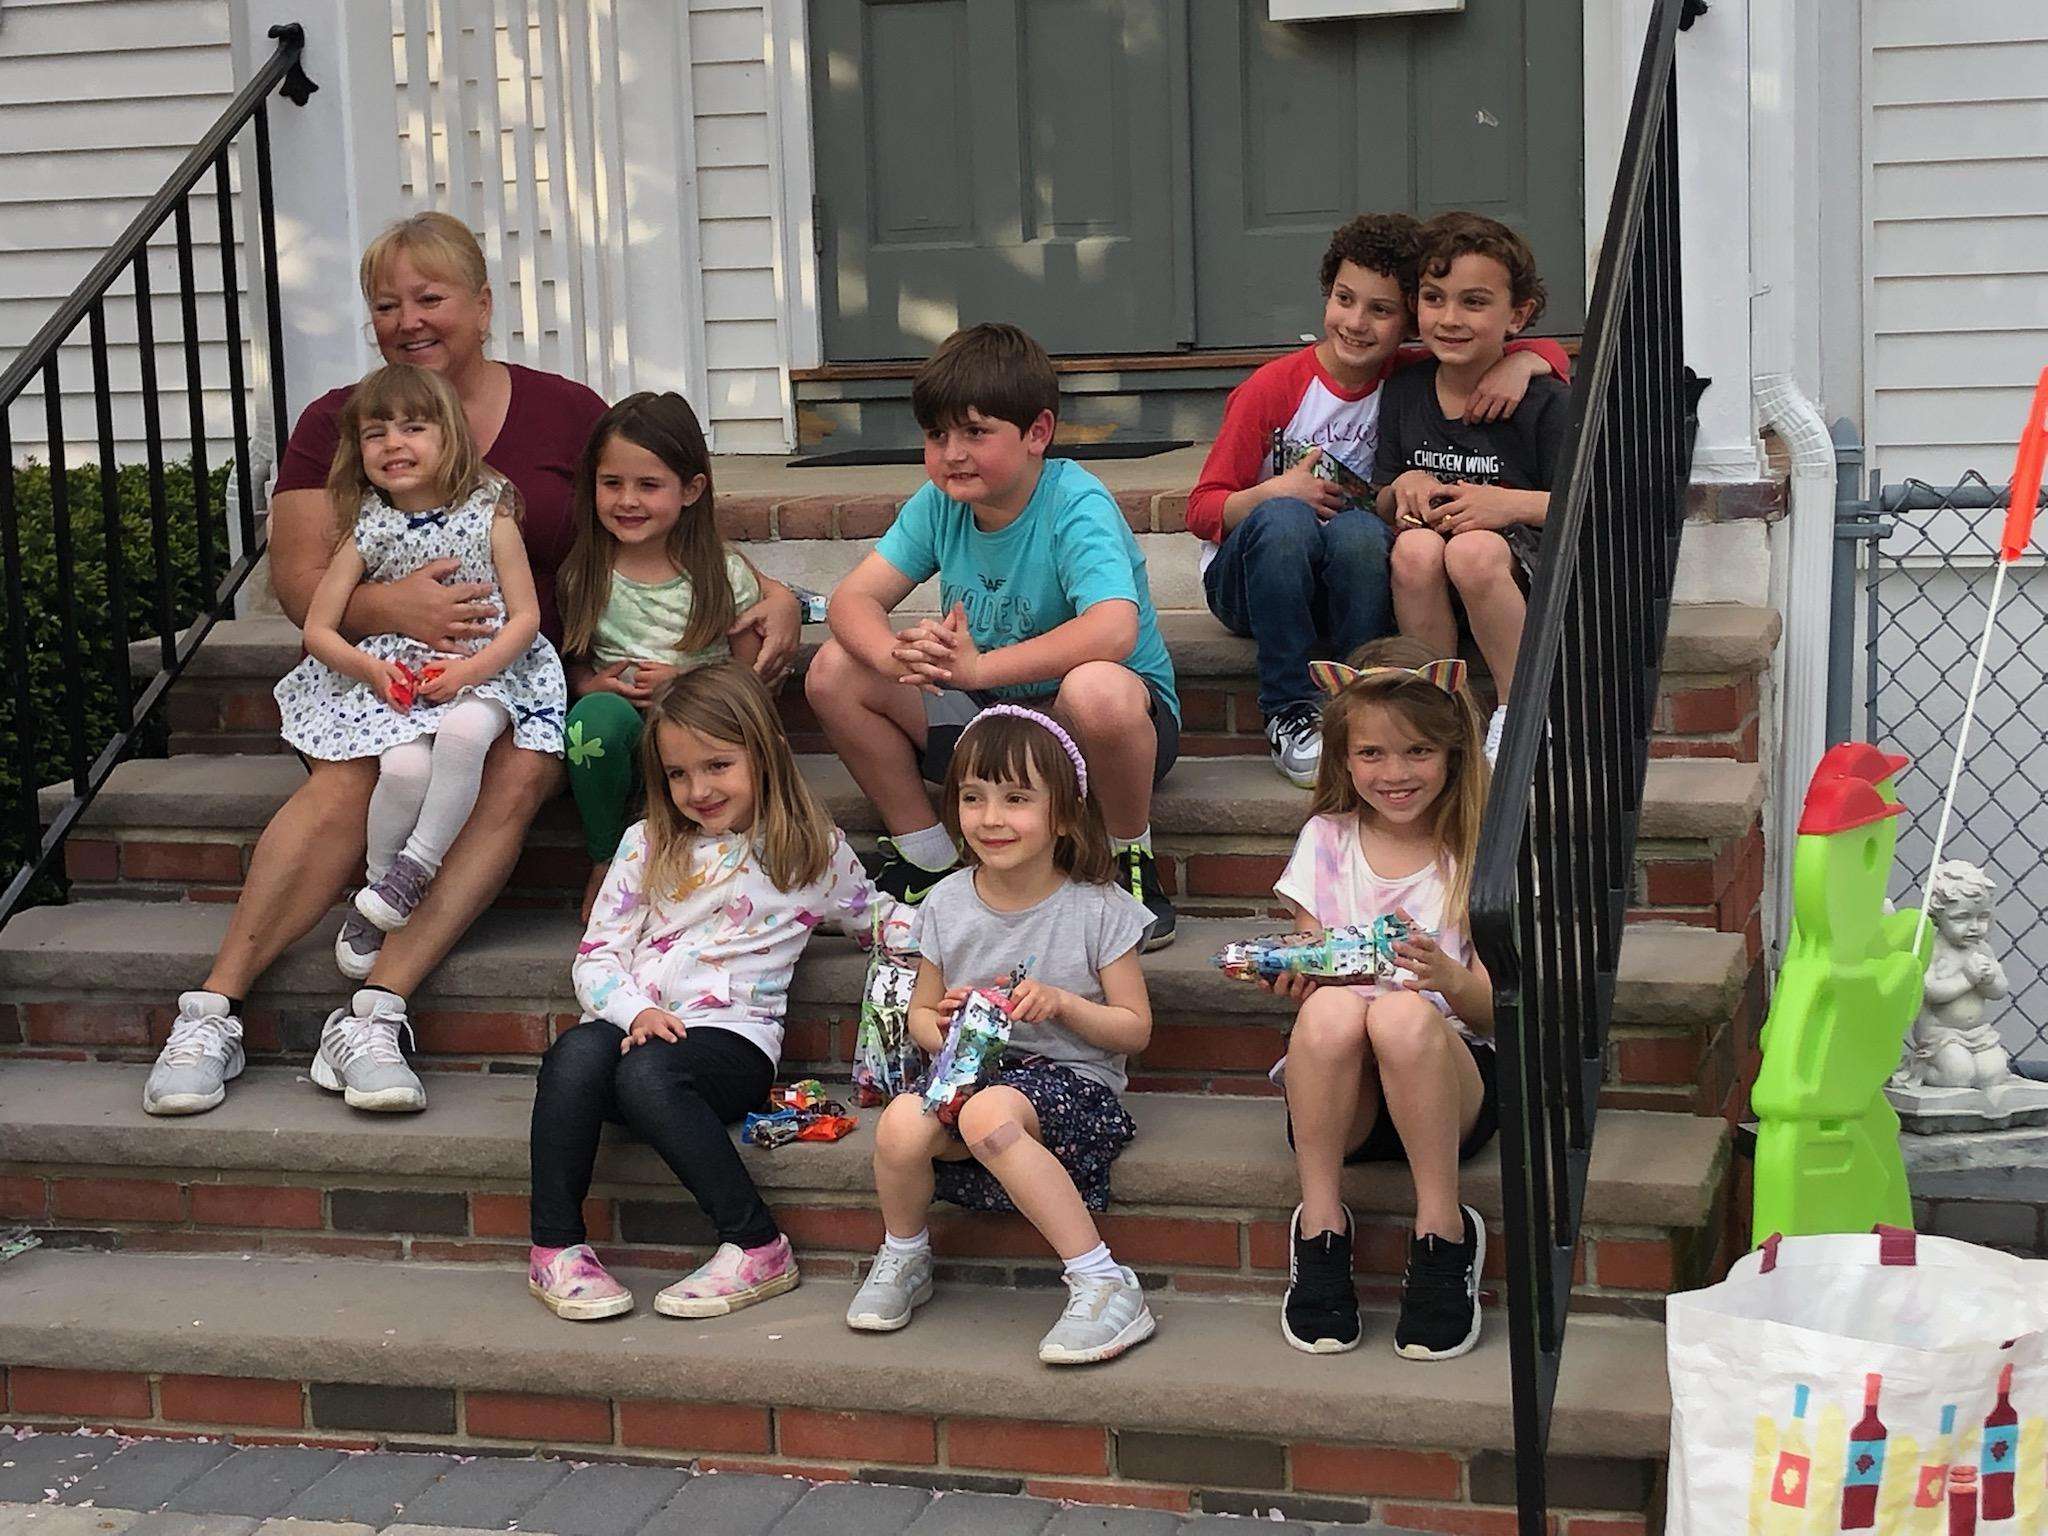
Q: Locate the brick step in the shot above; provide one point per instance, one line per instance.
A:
(184, 828)
(1201, 1198)
(1708, 705)
(441, 1357)
(100, 978)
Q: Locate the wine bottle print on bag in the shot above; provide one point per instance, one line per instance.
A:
(1998, 1461)
(1866, 1462)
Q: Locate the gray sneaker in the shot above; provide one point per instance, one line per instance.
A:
(1103, 1319)
(205, 1050)
(357, 945)
(1296, 737)
(897, 1284)
(359, 1056)
(390, 901)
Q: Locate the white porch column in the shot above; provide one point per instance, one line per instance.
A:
(334, 164)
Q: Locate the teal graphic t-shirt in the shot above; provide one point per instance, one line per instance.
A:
(1068, 550)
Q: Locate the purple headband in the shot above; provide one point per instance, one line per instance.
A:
(1019, 712)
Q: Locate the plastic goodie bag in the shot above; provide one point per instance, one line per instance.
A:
(1361, 952)
(972, 1053)
(886, 1061)
(1883, 1382)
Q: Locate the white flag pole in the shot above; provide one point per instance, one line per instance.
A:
(1955, 771)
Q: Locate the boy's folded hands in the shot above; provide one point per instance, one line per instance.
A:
(938, 653)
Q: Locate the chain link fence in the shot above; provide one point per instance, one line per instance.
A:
(1923, 565)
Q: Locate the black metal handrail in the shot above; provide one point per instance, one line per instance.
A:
(1551, 886)
(90, 763)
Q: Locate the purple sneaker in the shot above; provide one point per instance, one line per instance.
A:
(732, 1278)
(390, 902)
(357, 945)
(573, 1285)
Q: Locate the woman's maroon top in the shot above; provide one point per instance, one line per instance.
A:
(546, 427)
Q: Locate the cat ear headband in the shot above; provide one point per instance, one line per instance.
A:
(1333, 677)
(1018, 712)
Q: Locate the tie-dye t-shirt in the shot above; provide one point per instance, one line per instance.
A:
(719, 954)
(1328, 877)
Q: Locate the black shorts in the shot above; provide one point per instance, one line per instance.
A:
(1382, 1143)
(950, 711)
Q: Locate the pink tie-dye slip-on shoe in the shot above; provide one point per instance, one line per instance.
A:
(732, 1278)
(572, 1284)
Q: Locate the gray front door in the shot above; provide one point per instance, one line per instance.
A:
(1126, 176)
(999, 160)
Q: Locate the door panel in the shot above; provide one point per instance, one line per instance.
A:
(996, 159)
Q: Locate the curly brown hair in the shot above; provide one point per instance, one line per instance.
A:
(1379, 242)
(1450, 235)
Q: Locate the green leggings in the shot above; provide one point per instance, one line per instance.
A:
(604, 768)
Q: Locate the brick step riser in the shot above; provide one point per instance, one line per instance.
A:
(1194, 1250)
(1698, 715)
(1408, 1486)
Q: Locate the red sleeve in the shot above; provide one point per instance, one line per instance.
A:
(1542, 346)
(309, 454)
(1255, 408)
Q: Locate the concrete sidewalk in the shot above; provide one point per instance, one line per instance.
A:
(102, 1485)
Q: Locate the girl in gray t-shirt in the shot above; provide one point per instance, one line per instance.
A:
(1039, 1139)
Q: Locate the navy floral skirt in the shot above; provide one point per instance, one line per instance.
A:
(1081, 1121)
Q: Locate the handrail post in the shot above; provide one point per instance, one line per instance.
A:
(1849, 508)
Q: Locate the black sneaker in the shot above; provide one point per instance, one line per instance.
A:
(1138, 873)
(1440, 1294)
(905, 879)
(1320, 1313)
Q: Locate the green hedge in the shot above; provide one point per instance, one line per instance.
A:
(102, 645)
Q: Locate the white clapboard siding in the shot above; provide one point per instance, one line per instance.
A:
(745, 352)
(1956, 135)
(99, 100)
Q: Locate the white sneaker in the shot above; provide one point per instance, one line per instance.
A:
(359, 1056)
(1104, 1317)
(1494, 727)
(897, 1285)
(1295, 736)
(204, 1052)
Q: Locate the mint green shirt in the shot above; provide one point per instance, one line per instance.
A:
(642, 621)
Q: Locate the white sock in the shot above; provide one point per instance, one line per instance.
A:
(928, 848)
(908, 1247)
(1096, 1264)
(1143, 842)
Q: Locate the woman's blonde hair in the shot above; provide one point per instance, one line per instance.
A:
(1448, 721)
(439, 244)
(401, 392)
(666, 427)
(1002, 749)
(727, 703)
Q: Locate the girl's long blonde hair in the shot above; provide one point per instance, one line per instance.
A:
(1449, 721)
(727, 703)
(401, 392)
(1002, 749)
(667, 428)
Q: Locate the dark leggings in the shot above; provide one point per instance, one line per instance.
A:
(677, 1096)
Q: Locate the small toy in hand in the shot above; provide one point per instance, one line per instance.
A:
(973, 1050)
(407, 688)
(1364, 952)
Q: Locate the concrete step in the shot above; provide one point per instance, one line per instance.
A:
(449, 1358)
(184, 827)
(1715, 653)
(101, 977)
(1200, 1199)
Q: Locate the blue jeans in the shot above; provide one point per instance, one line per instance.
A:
(1294, 583)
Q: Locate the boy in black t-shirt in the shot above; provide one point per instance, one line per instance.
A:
(1468, 499)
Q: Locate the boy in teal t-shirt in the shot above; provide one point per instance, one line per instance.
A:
(1043, 597)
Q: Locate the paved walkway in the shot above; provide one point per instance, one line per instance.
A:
(100, 1485)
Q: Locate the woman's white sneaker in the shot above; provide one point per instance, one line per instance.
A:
(196, 1064)
(359, 1056)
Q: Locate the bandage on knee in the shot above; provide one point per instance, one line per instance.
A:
(997, 1141)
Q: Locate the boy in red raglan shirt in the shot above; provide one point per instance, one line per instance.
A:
(1295, 556)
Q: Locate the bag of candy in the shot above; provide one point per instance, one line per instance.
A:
(886, 1061)
(973, 1052)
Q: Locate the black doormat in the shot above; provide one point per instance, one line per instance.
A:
(1127, 448)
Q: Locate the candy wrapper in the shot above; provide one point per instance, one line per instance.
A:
(1364, 952)
(797, 1112)
(886, 1061)
(973, 1051)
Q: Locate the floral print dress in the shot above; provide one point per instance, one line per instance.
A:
(333, 718)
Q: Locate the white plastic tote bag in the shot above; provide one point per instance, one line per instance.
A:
(1886, 1383)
